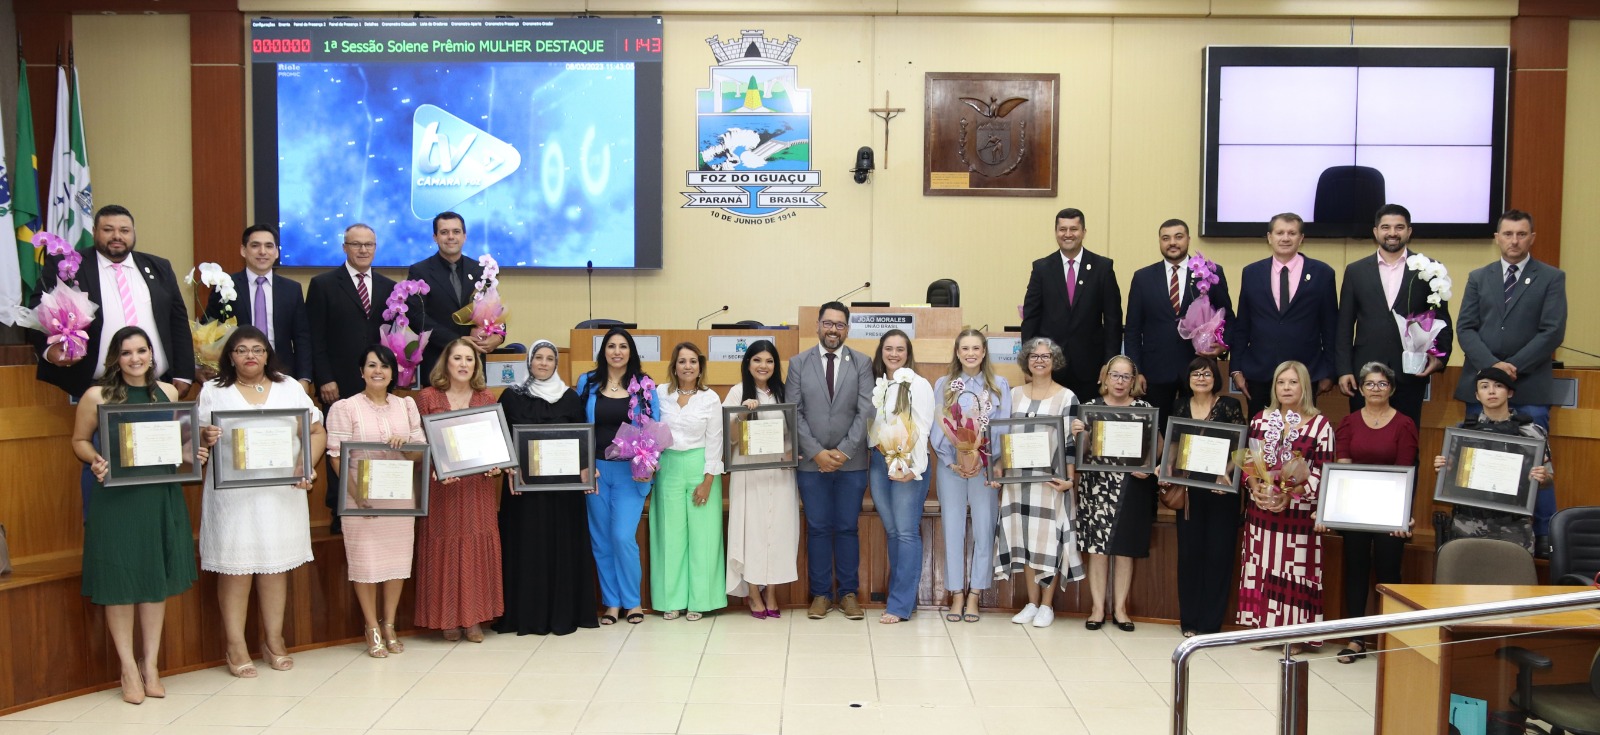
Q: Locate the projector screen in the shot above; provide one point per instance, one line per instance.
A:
(545, 135)
(1332, 133)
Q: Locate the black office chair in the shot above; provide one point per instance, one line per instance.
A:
(1347, 197)
(1484, 561)
(750, 324)
(1575, 536)
(597, 323)
(944, 292)
(1571, 709)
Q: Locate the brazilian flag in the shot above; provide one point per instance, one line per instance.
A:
(25, 209)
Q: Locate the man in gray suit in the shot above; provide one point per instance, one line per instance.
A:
(831, 387)
(1513, 317)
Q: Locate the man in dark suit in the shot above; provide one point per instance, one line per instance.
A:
(345, 307)
(1288, 310)
(269, 302)
(153, 302)
(1073, 298)
(1374, 290)
(1158, 297)
(450, 278)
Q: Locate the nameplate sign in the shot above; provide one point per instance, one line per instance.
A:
(1004, 350)
(730, 348)
(873, 326)
(649, 346)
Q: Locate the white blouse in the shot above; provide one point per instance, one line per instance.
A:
(696, 425)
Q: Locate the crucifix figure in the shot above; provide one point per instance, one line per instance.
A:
(886, 113)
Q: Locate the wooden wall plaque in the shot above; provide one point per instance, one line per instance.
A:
(991, 134)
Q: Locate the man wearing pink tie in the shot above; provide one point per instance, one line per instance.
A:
(1073, 298)
(131, 289)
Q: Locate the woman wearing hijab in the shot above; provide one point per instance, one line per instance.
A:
(544, 536)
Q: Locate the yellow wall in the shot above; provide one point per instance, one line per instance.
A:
(1581, 190)
(1129, 157)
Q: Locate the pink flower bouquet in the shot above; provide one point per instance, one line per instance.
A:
(64, 312)
(1203, 323)
(406, 344)
(641, 446)
(486, 311)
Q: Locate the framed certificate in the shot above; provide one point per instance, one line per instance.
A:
(1366, 497)
(1028, 448)
(1489, 470)
(149, 443)
(470, 441)
(764, 439)
(261, 448)
(1118, 438)
(553, 457)
(376, 479)
(1199, 454)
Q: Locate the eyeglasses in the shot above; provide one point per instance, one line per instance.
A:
(1047, 357)
(250, 351)
(1119, 376)
(832, 325)
(1376, 385)
(1201, 373)
(361, 245)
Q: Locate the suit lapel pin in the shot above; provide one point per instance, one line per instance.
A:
(1088, 266)
(1527, 281)
(1308, 278)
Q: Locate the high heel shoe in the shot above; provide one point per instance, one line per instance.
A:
(391, 641)
(246, 670)
(133, 694)
(375, 646)
(273, 660)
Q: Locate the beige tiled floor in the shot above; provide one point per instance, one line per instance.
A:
(733, 675)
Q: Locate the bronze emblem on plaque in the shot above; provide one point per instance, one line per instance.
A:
(991, 134)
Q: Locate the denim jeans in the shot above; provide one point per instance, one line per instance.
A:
(832, 504)
(899, 506)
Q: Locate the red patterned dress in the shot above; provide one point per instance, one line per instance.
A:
(1282, 579)
(458, 542)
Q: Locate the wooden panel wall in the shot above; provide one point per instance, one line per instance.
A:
(1539, 126)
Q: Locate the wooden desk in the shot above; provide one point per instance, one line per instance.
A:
(1415, 682)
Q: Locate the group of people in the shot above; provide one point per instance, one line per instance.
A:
(529, 562)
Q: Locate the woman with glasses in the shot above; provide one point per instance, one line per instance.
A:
(255, 536)
(1376, 434)
(1115, 509)
(1208, 526)
(969, 396)
(1036, 533)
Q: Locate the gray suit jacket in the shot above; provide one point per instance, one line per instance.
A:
(837, 424)
(1524, 332)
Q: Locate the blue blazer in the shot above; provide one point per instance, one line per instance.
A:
(588, 411)
(1261, 339)
(291, 326)
(1151, 336)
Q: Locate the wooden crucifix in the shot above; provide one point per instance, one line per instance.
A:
(886, 113)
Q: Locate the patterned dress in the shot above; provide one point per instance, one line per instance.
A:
(376, 548)
(1282, 579)
(458, 542)
(1036, 520)
(1115, 510)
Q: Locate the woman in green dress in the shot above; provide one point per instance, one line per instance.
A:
(138, 547)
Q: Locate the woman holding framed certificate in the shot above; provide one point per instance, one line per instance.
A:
(618, 394)
(458, 542)
(378, 549)
(686, 572)
(1208, 527)
(253, 536)
(969, 396)
(763, 505)
(1281, 582)
(137, 550)
(1115, 509)
(544, 536)
(1495, 387)
(898, 440)
(1036, 533)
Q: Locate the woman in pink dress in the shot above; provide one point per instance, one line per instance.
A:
(458, 542)
(377, 548)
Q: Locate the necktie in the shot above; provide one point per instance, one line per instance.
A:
(1283, 289)
(366, 296)
(456, 280)
(829, 375)
(1511, 282)
(130, 317)
(1072, 281)
(1172, 291)
(258, 309)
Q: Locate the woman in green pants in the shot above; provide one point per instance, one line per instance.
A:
(686, 561)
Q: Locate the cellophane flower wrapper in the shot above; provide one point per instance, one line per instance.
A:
(896, 440)
(64, 315)
(1419, 335)
(1202, 325)
(209, 338)
(641, 445)
(972, 447)
(1294, 475)
(407, 347)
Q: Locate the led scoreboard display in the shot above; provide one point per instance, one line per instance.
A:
(545, 134)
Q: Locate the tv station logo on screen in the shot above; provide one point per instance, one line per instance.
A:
(452, 159)
(753, 130)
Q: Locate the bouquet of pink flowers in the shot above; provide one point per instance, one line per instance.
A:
(397, 335)
(640, 441)
(1203, 323)
(64, 312)
(968, 434)
(486, 310)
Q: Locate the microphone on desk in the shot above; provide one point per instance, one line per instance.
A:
(1581, 352)
(590, 268)
(851, 292)
(708, 316)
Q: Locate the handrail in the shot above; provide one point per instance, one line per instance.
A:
(1476, 612)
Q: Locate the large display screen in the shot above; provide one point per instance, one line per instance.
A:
(545, 135)
(1333, 133)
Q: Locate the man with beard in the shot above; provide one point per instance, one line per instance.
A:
(132, 289)
(1376, 289)
(1157, 299)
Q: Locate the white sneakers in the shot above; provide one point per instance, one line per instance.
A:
(1027, 615)
(1045, 616)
